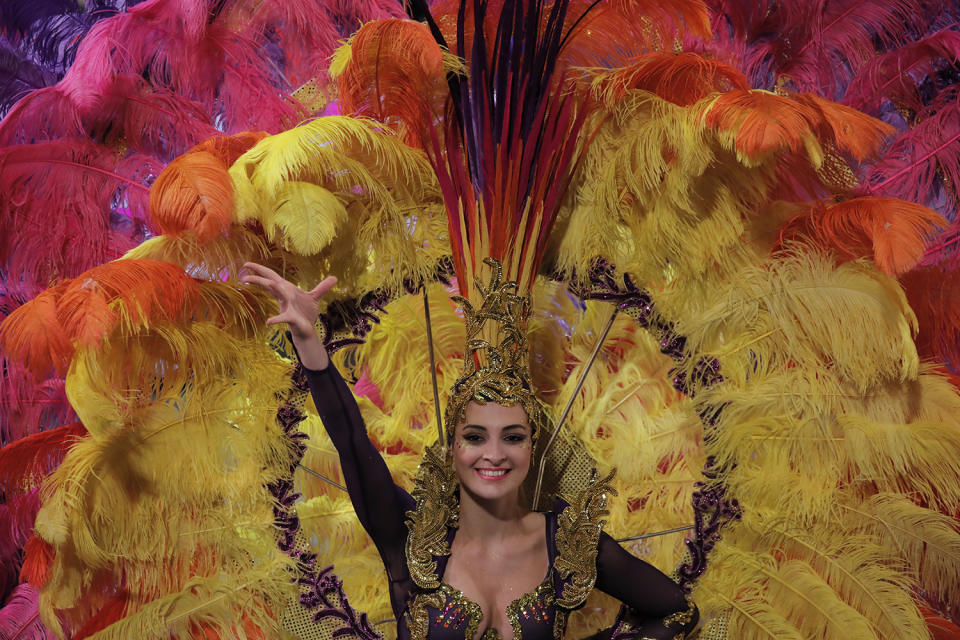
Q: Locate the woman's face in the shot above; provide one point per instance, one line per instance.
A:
(491, 449)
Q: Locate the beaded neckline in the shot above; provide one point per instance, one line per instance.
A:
(534, 604)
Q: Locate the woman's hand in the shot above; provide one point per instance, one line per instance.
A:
(298, 308)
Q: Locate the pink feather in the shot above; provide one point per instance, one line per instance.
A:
(895, 76)
(20, 617)
(43, 246)
(912, 166)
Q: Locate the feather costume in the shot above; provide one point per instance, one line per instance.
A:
(765, 192)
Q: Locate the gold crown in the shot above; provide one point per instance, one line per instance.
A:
(496, 363)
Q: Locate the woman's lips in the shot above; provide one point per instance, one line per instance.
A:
(492, 475)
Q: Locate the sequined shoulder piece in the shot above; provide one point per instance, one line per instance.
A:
(578, 533)
(436, 511)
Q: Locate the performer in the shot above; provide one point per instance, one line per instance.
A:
(493, 420)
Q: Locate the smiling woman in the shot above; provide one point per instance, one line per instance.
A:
(467, 556)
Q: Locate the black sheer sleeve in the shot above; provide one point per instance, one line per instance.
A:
(658, 608)
(380, 504)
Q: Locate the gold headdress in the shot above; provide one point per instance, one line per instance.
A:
(496, 366)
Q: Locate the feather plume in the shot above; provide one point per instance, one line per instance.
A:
(683, 78)
(893, 232)
(386, 187)
(913, 163)
(213, 604)
(393, 71)
(927, 541)
(194, 192)
(37, 559)
(758, 124)
(28, 407)
(19, 616)
(934, 293)
(847, 129)
(90, 180)
(896, 75)
(43, 332)
(24, 462)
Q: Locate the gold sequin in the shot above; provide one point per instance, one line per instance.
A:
(437, 508)
(578, 533)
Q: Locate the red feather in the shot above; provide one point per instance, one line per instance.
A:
(940, 627)
(893, 232)
(20, 617)
(896, 75)
(25, 462)
(89, 179)
(112, 610)
(38, 556)
(28, 406)
(934, 295)
(812, 44)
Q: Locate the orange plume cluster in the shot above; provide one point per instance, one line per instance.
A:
(194, 192)
(394, 75)
(892, 232)
(45, 332)
(682, 78)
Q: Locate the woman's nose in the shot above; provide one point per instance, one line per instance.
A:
(494, 452)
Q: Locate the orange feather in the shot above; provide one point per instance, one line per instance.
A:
(194, 192)
(762, 123)
(44, 332)
(24, 462)
(850, 130)
(681, 78)
(32, 335)
(891, 231)
(395, 75)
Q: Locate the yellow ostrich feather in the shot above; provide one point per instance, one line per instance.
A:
(213, 604)
(339, 177)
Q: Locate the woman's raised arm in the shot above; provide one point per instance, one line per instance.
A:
(381, 505)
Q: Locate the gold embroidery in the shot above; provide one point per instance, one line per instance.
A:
(681, 617)
(418, 620)
(435, 490)
(540, 598)
(578, 533)
(474, 612)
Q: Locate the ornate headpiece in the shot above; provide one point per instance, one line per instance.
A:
(496, 364)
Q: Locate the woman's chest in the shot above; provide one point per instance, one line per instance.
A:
(447, 614)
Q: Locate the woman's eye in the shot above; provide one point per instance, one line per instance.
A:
(516, 438)
(472, 437)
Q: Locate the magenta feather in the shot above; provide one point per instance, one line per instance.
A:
(20, 617)
(896, 75)
(912, 166)
(89, 181)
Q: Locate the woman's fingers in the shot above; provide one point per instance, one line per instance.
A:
(262, 271)
(249, 278)
(321, 289)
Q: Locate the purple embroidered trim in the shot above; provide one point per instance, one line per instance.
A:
(317, 586)
(357, 317)
(712, 508)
